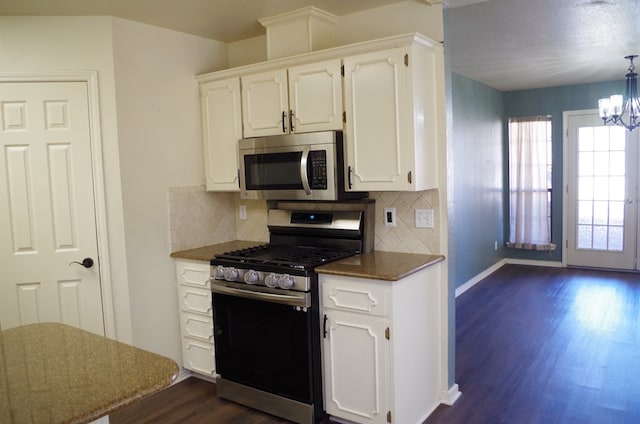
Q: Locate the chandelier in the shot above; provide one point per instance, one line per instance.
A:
(623, 111)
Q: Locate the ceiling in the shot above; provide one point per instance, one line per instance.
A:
(520, 44)
(506, 44)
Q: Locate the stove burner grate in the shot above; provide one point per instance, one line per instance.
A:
(298, 257)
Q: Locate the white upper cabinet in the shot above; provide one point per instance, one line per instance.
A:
(315, 96)
(394, 105)
(221, 130)
(393, 110)
(300, 99)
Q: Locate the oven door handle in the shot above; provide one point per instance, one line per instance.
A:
(290, 299)
(304, 176)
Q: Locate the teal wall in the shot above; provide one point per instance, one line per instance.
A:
(551, 101)
(476, 167)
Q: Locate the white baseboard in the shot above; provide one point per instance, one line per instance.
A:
(493, 268)
(484, 274)
(449, 397)
(182, 375)
(531, 262)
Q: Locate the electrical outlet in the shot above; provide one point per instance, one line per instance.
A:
(389, 217)
(243, 212)
(424, 218)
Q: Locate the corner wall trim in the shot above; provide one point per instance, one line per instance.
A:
(449, 397)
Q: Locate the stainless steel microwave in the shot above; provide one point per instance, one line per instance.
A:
(306, 166)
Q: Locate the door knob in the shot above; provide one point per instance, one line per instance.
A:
(86, 262)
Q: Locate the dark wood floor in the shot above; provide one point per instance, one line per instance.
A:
(191, 401)
(533, 345)
(548, 345)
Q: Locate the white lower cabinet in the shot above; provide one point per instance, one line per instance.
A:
(196, 316)
(381, 347)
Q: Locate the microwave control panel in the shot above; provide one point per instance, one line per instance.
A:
(317, 169)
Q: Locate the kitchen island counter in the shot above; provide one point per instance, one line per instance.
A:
(379, 265)
(206, 253)
(54, 373)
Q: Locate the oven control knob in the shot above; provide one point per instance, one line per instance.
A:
(230, 274)
(218, 274)
(285, 282)
(271, 280)
(251, 277)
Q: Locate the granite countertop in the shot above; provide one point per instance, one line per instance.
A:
(207, 253)
(390, 266)
(53, 373)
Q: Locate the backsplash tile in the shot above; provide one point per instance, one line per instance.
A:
(254, 228)
(200, 218)
(404, 237)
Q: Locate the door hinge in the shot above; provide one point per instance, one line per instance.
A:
(566, 244)
(409, 177)
(344, 117)
(387, 333)
(388, 416)
(342, 70)
(406, 59)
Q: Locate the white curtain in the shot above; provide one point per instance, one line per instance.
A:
(529, 174)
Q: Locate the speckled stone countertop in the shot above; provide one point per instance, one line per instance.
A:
(52, 373)
(207, 253)
(390, 266)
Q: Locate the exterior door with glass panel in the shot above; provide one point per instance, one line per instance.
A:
(601, 194)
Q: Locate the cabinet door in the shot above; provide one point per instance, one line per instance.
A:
(355, 367)
(265, 104)
(376, 106)
(221, 129)
(315, 97)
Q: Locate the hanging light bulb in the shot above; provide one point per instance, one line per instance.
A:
(619, 110)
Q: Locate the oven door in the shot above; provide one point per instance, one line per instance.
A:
(264, 342)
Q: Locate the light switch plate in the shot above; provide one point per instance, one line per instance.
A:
(424, 218)
(389, 217)
(243, 212)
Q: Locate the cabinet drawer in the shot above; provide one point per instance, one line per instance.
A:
(193, 273)
(197, 300)
(356, 295)
(197, 326)
(198, 356)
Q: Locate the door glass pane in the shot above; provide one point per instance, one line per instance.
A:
(601, 188)
(584, 237)
(616, 238)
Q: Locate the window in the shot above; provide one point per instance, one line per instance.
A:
(530, 183)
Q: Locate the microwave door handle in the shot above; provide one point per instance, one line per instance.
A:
(303, 171)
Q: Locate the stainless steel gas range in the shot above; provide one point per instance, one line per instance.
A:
(266, 317)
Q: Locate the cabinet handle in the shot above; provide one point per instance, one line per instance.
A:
(324, 326)
(349, 176)
(290, 120)
(284, 129)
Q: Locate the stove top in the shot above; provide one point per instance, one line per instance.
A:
(295, 257)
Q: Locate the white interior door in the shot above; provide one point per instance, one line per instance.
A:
(601, 193)
(47, 211)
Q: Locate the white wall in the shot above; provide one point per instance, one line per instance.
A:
(40, 44)
(160, 146)
(150, 122)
